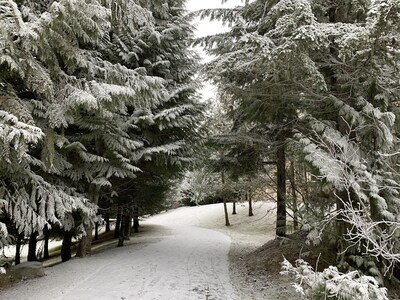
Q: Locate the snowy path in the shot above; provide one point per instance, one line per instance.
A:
(187, 263)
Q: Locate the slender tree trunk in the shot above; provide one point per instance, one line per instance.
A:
(118, 223)
(46, 243)
(342, 126)
(121, 236)
(96, 231)
(18, 245)
(250, 199)
(136, 219)
(224, 199)
(294, 196)
(234, 207)
(281, 192)
(226, 213)
(306, 192)
(66, 246)
(128, 224)
(32, 247)
(107, 220)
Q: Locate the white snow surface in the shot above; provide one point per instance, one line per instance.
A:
(174, 260)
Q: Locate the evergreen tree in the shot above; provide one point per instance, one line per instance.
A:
(169, 128)
(29, 199)
(328, 71)
(102, 97)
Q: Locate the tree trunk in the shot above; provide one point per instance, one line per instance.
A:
(234, 207)
(224, 199)
(343, 127)
(128, 224)
(294, 196)
(136, 219)
(18, 244)
(306, 192)
(118, 223)
(96, 231)
(46, 243)
(32, 247)
(226, 213)
(66, 246)
(85, 245)
(281, 191)
(250, 199)
(122, 230)
(107, 220)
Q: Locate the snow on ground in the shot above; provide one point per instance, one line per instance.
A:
(180, 254)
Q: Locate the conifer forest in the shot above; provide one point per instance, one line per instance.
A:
(103, 127)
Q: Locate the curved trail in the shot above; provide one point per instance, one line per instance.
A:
(186, 263)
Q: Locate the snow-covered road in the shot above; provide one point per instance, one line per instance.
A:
(185, 263)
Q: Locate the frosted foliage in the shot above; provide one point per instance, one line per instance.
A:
(32, 209)
(71, 89)
(330, 283)
(331, 153)
(3, 233)
(131, 14)
(341, 162)
(287, 15)
(15, 136)
(365, 233)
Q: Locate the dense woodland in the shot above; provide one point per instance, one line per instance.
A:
(100, 118)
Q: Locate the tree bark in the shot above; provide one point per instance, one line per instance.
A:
(342, 126)
(281, 191)
(234, 207)
(96, 231)
(18, 245)
(66, 246)
(32, 247)
(294, 196)
(128, 224)
(85, 245)
(224, 199)
(46, 243)
(306, 192)
(118, 223)
(136, 219)
(107, 220)
(226, 213)
(122, 230)
(250, 199)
